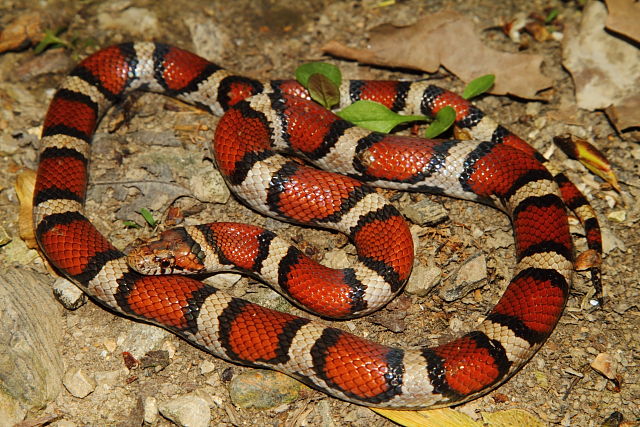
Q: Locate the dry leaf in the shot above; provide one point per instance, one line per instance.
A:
(21, 32)
(605, 69)
(605, 364)
(589, 156)
(449, 39)
(445, 417)
(25, 184)
(626, 113)
(586, 260)
(512, 417)
(623, 18)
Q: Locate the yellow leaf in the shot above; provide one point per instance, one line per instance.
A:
(25, 184)
(588, 155)
(512, 418)
(445, 417)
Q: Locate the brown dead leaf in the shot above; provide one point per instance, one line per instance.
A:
(586, 260)
(25, 184)
(449, 39)
(623, 18)
(21, 32)
(605, 68)
(625, 114)
(606, 365)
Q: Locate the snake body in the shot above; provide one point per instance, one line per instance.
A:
(261, 122)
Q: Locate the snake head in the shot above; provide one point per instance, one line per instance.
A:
(168, 254)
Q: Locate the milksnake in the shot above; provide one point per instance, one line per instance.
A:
(261, 122)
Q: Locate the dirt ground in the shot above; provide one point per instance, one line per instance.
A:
(269, 39)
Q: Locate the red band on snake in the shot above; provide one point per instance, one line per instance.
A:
(261, 121)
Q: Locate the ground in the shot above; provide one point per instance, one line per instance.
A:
(268, 39)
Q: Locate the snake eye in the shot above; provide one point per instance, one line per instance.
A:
(165, 263)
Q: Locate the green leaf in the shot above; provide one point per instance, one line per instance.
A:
(374, 116)
(131, 224)
(50, 39)
(305, 71)
(443, 121)
(553, 14)
(478, 86)
(323, 91)
(148, 216)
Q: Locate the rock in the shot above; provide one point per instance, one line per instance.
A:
(500, 239)
(187, 411)
(423, 279)
(210, 39)
(78, 383)
(263, 389)
(131, 20)
(150, 138)
(150, 410)
(108, 378)
(31, 365)
(471, 275)
(336, 258)
(207, 367)
(207, 185)
(68, 294)
(425, 212)
(142, 338)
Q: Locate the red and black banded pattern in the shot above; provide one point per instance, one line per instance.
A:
(263, 120)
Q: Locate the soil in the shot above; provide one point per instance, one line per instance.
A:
(268, 39)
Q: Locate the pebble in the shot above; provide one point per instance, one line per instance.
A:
(423, 279)
(78, 383)
(500, 239)
(142, 338)
(206, 367)
(336, 258)
(471, 275)
(260, 389)
(109, 378)
(187, 411)
(68, 294)
(150, 410)
(425, 212)
(207, 185)
(132, 20)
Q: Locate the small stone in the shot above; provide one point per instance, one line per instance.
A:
(187, 411)
(336, 258)
(500, 239)
(206, 367)
(207, 185)
(78, 383)
(4, 236)
(110, 344)
(617, 216)
(423, 279)
(68, 294)
(425, 212)
(471, 275)
(142, 338)
(263, 389)
(150, 410)
(109, 378)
